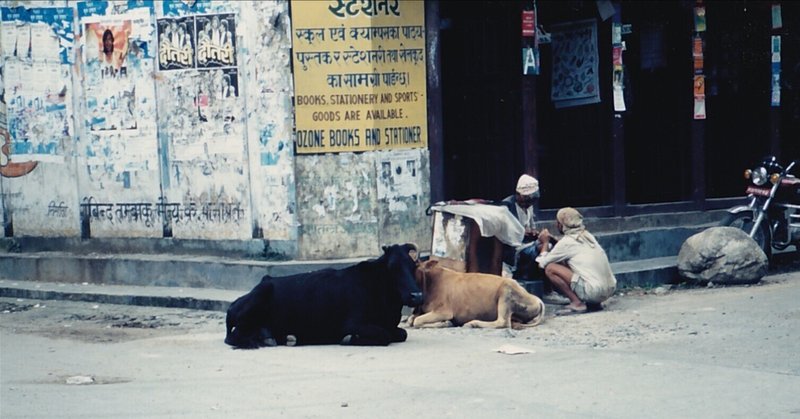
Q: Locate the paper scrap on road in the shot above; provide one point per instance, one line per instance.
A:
(80, 379)
(513, 350)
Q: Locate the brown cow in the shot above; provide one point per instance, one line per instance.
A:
(472, 300)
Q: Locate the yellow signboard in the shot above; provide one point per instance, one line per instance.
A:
(359, 75)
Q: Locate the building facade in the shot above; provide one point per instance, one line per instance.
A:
(632, 107)
(325, 129)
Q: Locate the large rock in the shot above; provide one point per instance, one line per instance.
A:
(722, 255)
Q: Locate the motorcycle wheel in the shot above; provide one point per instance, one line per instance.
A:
(744, 221)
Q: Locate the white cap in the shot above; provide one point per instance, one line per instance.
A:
(528, 185)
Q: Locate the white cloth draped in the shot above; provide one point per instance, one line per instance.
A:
(492, 220)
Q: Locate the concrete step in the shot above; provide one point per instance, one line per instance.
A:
(649, 272)
(165, 270)
(647, 243)
(174, 297)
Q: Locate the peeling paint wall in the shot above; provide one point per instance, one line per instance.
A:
(270, 119)
(337, 205)
(37, 56)
(203, 133)
(118, 170)
(139, 141)
(198, 152)
(403, 197)
(350, 204)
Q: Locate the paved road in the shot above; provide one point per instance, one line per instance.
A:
(719, 352)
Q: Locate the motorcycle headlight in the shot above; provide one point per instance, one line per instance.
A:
(759, 176)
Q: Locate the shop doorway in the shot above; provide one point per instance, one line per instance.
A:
(481, 98)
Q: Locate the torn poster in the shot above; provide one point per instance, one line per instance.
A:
(186, 7)
(575, 64)
(39, 109)
(112, 68)
(37, 81)
(41, 34)
(398, 174)
(208, 102)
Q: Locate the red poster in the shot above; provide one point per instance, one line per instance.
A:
(528, 23)
(617, 56)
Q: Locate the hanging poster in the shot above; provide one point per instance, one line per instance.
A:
(697, 54)
(699, 107)
(777, 20)
(359, 75)
(575, 64)
(700, 19)
(530, 61)
(776, 90)
(528, 23)
(776, 48)
(699, 85)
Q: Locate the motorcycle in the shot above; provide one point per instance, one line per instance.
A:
(772, 217)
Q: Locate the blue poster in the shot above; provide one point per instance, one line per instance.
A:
(186, 7)
(51, 31)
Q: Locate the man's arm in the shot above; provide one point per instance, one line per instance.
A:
(562, 251)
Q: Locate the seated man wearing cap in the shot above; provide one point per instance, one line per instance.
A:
(577, 266)
(523, 206)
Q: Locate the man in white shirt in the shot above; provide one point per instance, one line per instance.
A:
(522, 205)
(577, 265)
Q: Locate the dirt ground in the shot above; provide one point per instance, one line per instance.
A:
(103, 323)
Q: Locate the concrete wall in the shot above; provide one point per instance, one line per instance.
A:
(349, 204)
(173, 156)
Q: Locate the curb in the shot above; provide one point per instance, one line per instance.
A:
(136, 300)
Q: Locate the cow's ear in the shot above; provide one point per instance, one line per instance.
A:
(431, 263)
(385, 248)
(413, 254)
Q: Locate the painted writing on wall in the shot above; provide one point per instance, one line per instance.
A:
(151, 214)
(359, 70)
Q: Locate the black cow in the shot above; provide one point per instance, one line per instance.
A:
(359, 305)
